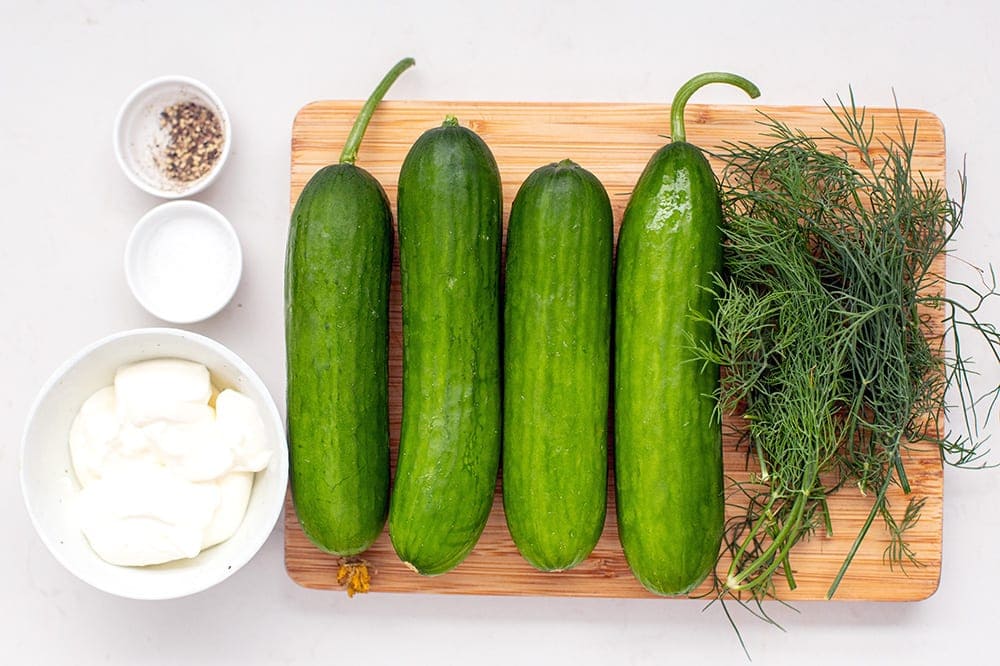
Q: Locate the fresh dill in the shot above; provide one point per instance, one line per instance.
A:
(826, 327)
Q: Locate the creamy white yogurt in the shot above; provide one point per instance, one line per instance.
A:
(165, 462)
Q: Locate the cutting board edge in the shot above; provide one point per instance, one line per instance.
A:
(931, 123)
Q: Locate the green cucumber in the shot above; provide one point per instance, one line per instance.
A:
(668, 448)
(449, 212)
(557, 353)
(336, 337)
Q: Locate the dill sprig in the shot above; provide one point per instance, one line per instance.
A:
(825, 328)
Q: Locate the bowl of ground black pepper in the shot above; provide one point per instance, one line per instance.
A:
(172, 136)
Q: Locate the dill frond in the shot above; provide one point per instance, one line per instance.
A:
(830, 358)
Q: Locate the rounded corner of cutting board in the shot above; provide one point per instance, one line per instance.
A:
(927, 119)
(929, 590)
(304, 115)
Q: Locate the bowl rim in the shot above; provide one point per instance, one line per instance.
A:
(143, 227)
(134, 98)
(270, 517)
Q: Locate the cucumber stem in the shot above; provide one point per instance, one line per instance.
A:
(450, 121)
(350, 152)
(684, 94)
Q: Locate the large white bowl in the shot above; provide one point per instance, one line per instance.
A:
(50, 486)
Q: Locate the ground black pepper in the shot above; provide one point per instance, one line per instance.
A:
(194, 142)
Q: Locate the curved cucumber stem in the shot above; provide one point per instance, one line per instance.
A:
(684, 94)
(450, 121)
(350, 152)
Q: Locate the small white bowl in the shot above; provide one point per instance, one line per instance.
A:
(137, 133)
(183, 261)
(50, 486)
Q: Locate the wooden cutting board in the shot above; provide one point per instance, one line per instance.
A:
(614, 141)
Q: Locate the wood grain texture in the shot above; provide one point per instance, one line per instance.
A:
(614, 141)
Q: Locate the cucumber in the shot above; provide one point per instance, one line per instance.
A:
(337, 271)
(449, 211)
(557, 353)
(668, 438)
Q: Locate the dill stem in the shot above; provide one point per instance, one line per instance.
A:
(904, 481)
(776, 553)
(754, 531)
(876, 505)
(787, 568)
(765, 476)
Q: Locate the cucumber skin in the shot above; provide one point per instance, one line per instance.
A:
(668, 450)
(449, 209)
(337, 330)
(557, 353)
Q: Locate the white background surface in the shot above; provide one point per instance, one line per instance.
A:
(67, 210)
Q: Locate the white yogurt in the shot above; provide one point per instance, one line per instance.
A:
(165, 462)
